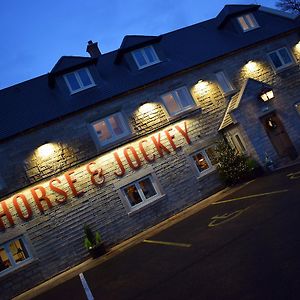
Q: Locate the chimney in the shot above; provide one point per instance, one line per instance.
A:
(92, 49)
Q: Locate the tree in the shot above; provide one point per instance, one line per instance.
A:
(292, 6)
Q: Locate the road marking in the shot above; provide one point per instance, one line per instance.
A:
(218, 220)
(168, 243)
(87, 290)
(295, 175)
(250, 196)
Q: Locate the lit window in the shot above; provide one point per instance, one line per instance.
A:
(79, 80)
(281, 58)
(297, 106)
(110, 129)
(140, 193)
(205, 160)
(224, 83)
(13, 254)
(145, 57)
(178, 100)
(247, 22)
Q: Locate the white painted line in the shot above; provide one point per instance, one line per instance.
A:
(167, 243)
(87, 290)
(250, 196)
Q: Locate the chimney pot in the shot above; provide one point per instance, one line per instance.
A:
(92, 49)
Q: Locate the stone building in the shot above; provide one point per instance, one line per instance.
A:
(125, 139)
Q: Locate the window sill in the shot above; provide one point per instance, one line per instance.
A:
(149, 65)
(135, 210)
(112, 144)
(82, 89)
(280, 70)
(23, 265)
(207, 172)
(184, 113)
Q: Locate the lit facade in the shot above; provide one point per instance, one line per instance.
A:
(123, 140)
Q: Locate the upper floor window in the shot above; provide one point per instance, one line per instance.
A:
(247, 22)
(281, 58)
(205, 160)
(110, 128)
(13, 254)
(178, 100)
(79, 80)
(145, 57)
(224, 83)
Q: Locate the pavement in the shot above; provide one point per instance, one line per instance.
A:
(240, 243)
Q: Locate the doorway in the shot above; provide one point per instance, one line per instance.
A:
(278, 136)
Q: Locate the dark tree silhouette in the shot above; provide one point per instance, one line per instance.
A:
(292, 6)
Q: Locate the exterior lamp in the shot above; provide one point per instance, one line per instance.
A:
(267, 95)
(251, 66)
(45, 150)
(146, 107)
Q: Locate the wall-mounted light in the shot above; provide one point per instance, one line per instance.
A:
(45, 150)
(298, 47)
(251, 66)
(266, 95)
(201, 86)
(146, 107)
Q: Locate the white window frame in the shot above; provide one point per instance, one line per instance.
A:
(114, 137)
(15, 265)
(210, 168)
(245, 22)
(178, 101)
(234, 142)
(220, 75)
(148, 62)
(79, 81)
(134, 179)
(283, 66)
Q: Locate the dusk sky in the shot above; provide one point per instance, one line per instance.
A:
(36, 33)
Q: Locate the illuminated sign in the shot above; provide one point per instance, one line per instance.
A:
(57, 190)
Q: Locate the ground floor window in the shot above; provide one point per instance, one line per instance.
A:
(12, 254)
(138, 193)
(205, 160)
(236, 142)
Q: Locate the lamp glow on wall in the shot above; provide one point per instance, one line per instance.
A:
(201, 86)
(146, 107)
(251, 66)
(45, 150)
(266, 95)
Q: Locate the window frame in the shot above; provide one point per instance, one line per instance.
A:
(148, 62)
(178, 101)
(227, 82)
(133, 179)
(114, 138)
(15, 265)
(211, 166)
(283, 66)
(79, 81)
(234, 142)
(246, 21)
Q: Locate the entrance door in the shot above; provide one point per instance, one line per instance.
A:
(278, 136)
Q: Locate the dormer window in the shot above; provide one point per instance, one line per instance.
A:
(79, 80)
(145, 57)
(247, 22)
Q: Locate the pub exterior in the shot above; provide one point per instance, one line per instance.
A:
(123, 140)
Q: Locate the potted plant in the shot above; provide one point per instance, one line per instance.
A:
(93, 243)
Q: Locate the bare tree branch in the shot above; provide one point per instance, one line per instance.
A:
(292, 6)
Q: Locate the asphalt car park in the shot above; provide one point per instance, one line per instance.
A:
(245, 246)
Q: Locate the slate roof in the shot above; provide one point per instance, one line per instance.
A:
(34, 102)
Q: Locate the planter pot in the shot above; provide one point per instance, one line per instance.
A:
(97, 250)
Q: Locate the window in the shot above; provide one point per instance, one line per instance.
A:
(13, 254)
(110, 129)
(281, 58)
(79, 80)
(297, 106)
(178, 100)
(224, 83)
(139, 190)
(247, 22)
(236, 141)
(145, 57)
(205, 160)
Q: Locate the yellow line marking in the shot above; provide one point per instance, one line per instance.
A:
(218, 220)
(250, 196)
(295, 175)
(167, 243)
